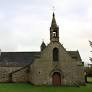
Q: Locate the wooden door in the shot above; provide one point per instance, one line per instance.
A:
(56, 79)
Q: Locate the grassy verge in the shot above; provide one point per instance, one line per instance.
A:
(89, 79)
(22, 87)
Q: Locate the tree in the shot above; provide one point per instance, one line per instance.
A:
(91, 51)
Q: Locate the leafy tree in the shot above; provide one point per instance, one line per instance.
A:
(91, 51)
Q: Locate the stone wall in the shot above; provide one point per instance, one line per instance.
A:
(21, 75)
(42, 69)
(5, 71)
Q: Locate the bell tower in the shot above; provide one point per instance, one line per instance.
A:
(54, 30)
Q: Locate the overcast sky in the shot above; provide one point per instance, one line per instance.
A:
(24, 24)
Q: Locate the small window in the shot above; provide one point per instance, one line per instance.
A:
(54, 34)
(55, 54)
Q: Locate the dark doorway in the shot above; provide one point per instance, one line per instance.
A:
(56, 79)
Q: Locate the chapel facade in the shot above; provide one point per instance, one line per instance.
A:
(53, 65)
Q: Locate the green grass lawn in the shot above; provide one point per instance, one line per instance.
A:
(22, 87)
(89, 79)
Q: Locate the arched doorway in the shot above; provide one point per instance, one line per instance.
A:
(56, 79)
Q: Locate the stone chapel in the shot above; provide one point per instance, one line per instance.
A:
(53, 65)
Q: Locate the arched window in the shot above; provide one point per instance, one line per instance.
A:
(55, 54)
(55, 33)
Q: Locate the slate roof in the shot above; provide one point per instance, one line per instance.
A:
(18, 58)
(75, 55)
(25, 58)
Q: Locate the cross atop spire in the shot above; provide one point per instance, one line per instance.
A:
(53, 23)
(53, 8)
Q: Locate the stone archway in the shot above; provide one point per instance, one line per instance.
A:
(56, 79)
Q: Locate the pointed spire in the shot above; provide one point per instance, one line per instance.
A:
(54, 30)
(53, 23)
(43, 46)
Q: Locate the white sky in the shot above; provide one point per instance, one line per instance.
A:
(25, 23)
